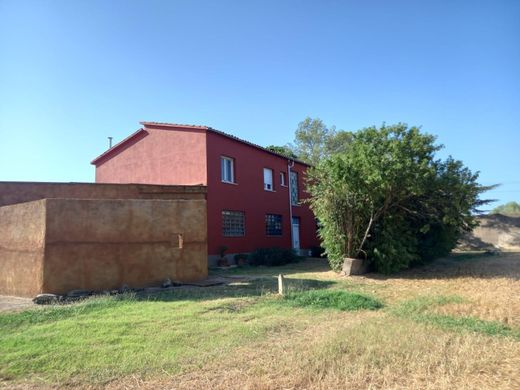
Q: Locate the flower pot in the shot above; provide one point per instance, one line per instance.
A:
(354, 266)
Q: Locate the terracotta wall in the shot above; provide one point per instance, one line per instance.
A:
(22, 239)
(99, 244)
(164, 155)
(18, 192)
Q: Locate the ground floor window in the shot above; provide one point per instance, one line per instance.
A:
(273, 225)
(233, 223)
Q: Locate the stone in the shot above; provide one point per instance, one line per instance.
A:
(78, 293)
(46, 299)
(152, 290)
(354, 266)
(167, 283)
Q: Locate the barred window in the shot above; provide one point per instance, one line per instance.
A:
(233, 223)
(273, 224)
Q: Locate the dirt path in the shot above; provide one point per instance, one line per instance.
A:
(8, 303)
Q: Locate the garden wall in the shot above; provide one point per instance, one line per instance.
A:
(19, 192)
(22, 243)
(58, 245)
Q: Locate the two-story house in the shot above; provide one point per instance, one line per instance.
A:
(253, 194)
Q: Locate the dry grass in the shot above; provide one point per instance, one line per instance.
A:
(490, 285)
(327, 349)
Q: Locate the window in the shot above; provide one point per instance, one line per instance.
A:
(233, 223)
(282, 179)
(294, 188)
(268, 179)
(227, 169)
(273, 225)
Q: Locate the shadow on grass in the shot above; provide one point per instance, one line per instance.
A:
(239, 289)
(307, 265)
(459, 265)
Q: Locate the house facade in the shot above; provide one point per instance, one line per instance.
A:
(254, 196)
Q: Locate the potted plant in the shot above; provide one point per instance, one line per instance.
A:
(241, 259)
(223, 262)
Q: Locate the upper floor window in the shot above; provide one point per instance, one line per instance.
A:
(282, 179)
(268, 179)
(294, 188)
(227, 169)
(233, 223)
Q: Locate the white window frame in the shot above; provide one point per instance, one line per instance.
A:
(268, 186)
(223, 173)
(283, 180)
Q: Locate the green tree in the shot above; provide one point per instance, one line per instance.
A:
(314, 141)
(283, 150)
(511, 208)
(388, 199)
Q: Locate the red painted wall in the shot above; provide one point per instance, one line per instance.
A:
(158, 156)
(248, 195)
(169, 155)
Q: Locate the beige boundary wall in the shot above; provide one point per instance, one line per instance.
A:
(57, 244)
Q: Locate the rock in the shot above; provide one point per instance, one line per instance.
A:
(167, 283)
(152, 290)
(46, 299)
(354, 266)
(78, 293)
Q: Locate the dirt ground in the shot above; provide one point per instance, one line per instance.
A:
(8, 303)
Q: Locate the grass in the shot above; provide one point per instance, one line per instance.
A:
(417, 310)
(450, 324)
(332, 299)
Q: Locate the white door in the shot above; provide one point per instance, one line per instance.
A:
(296, 233)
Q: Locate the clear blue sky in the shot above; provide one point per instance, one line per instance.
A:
(73, 72)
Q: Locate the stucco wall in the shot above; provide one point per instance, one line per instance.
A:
(22, 236)
(57, 245)
(163, 155)
(248, 195)
(102, 244)
(18, 192)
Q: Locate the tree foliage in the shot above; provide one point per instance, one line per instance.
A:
(283, 150)
(314, 141)
(511, 208)
(387, 198)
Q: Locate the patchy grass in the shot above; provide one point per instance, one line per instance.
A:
(419, 309)
(451, 324)
(332, 299)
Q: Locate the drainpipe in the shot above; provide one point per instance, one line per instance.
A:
(290, 164)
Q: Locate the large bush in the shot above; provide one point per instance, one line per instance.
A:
(387, 198)
(272, 256)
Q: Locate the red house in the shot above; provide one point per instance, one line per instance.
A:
(253, 194)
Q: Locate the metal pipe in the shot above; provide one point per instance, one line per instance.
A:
(290, 164)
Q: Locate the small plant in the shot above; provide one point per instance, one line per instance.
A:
(272, 257)
(223, 262)
(241, 259)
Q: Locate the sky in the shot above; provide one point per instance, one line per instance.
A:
(74, 72)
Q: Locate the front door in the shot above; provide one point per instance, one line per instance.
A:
(296, 233)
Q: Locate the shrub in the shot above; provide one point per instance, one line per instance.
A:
(241, 258)
(317, 251)
(272, 256)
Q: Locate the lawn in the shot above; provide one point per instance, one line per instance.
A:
(452, 324)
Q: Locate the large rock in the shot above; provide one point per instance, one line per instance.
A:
(46, 299)
(354, 266)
